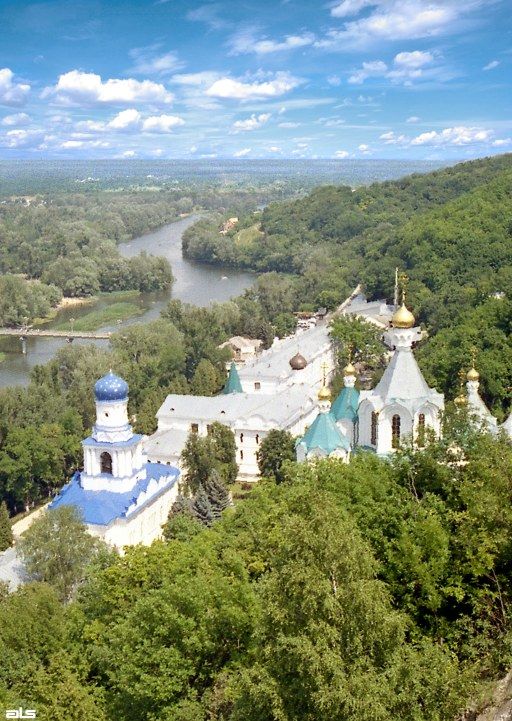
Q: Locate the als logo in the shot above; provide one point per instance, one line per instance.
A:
(20, 713)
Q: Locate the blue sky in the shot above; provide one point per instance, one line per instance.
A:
(252, 79)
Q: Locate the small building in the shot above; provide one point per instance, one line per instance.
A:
(242, 349)
(123, 498)
(228, 225)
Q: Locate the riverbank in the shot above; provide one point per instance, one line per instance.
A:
(194, 283)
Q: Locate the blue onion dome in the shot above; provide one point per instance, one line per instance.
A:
(111, 388)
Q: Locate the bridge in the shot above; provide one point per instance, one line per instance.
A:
(69, 335)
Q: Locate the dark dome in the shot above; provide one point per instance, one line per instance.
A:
(298, 362)
(111, 388)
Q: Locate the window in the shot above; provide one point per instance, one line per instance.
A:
(209, 429)
(106, 463)
(373, 438)
(395, 431)
(194, 427)
(241, 437)
(257, 386)
(421, 430)
(241, 455)
(257, 439)
(106, 414)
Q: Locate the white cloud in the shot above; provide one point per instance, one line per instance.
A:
(147, 61)
(241, 153)
(413, 119)
(12, 93)
(460, 135)
(334, 80)
(252, 123)
(275, 149)
(161, 123)
(347, 8)
(245, 42)
(126, 119)
(341, 154)
(16, 119)
(20, 138)
(457, 136)
(364, 148)
(129, 154)
(131, 120)
(374, 68)
(414, 59)
(501, 142)
(78, 88)
(226, 88)
(490, 66)
(80, 144)
(407, 66)
(391, 20)
(288, 125)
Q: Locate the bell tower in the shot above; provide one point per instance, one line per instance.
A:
(113, 457)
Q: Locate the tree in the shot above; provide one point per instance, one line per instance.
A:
(225, 451)
(201, 507)
(181, 524)
(277, 447)
(57, 549)
(217, 493)
(6, 537)
(203, 454)
(205, 381)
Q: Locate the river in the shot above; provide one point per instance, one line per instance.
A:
(194, 283)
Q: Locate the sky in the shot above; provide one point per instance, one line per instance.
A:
(416, 79)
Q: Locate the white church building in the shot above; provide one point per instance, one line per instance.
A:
(123, 498)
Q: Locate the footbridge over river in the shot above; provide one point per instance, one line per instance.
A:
(69, 335)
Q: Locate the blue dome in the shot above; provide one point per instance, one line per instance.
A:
(111, 388)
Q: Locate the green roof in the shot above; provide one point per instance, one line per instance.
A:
(324, 434)
(233, 384)
(346, 404)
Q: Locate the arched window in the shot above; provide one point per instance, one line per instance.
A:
(241, 437)
(241, 455)
(257, 439)
(106, 463)
(395, 431)
(373, 437)
(421, 430)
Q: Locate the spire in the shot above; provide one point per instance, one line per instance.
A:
(473, 376)
(324, 394)
(476, 405)
(233, 384)
(403, 318)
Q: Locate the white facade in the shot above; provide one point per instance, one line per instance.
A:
(122, 498)
(401, 406)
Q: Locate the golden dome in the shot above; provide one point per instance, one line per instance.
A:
(349, 370)
(298, 362)
(324, 394)
(460, 400)
(473, 375)
(403, 318)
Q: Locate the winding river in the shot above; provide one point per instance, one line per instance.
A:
(194, 283)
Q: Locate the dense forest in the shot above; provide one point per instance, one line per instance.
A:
(450, 230)
(378, 590)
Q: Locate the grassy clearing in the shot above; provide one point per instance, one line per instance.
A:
(248, 236)
(106, 316)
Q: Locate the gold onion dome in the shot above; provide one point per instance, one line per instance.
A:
(460, 400)
(298, 362)
(403, 318)
(349, 370)
(324, 394)
(473, 375)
